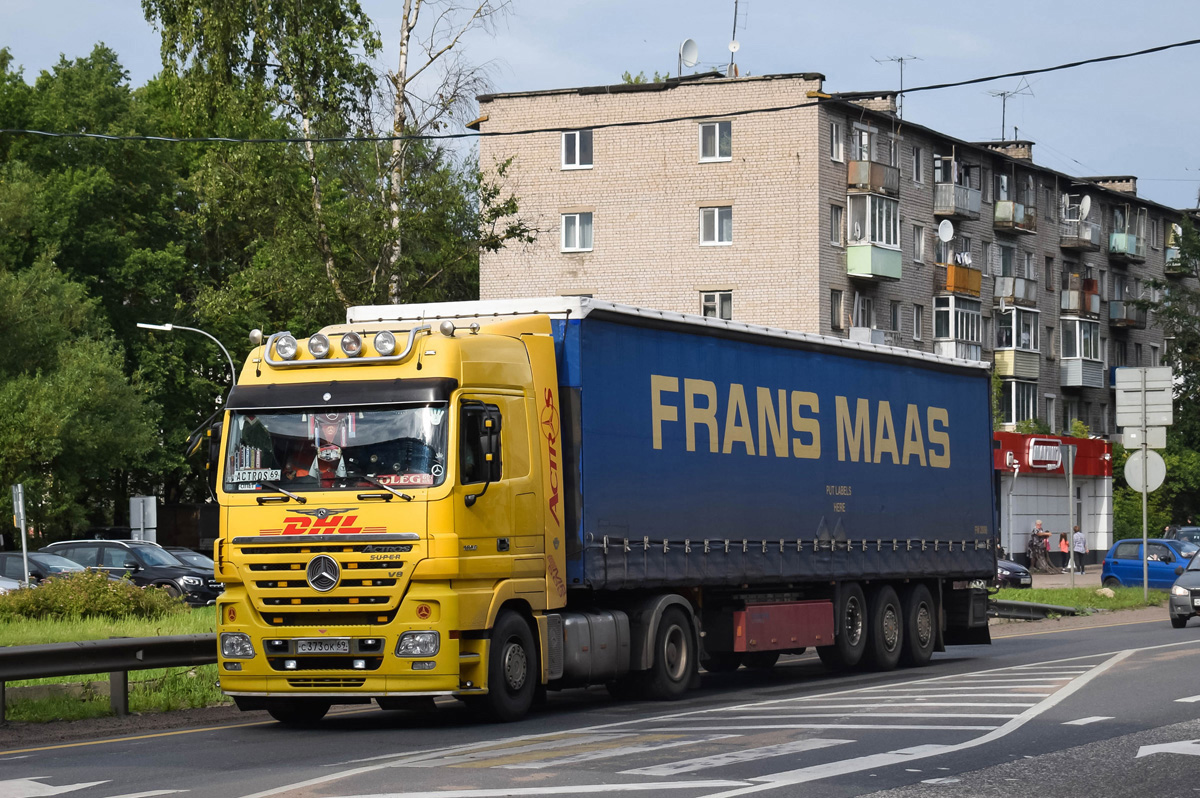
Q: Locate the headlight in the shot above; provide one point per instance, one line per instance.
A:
(418, 644)
(1003, 572)
(1176, 590)
(191, 581)
(286, 347)
(236, 645)
(318, 346)
(385, 343)
(352, 344)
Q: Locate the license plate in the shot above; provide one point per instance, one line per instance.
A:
(1026, 580)
(1196, 602)
(322, 646)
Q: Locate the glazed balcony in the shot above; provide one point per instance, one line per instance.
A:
(877, 178)
(1123, 314)
(1081, 236)
(1015, 291)
(873, 262)
(1126, 248)
(964, 350)
(953, 278)
(1176, 266)
(955, 202)
(1020, 363)
(1078, 372)
(1081, 303)
(1015, 217)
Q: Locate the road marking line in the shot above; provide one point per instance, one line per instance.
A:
(507, 751)
(31, 787)
(733, 757)
(886, 715)
(624, 750)
(942, 780)
(816, 772)
(506, 792)
(885, 705)
(1086, 721)
(868, 726)
(946, 692)
(1189, 700)
(149, 794)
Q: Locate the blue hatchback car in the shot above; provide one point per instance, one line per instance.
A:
(1123, 562)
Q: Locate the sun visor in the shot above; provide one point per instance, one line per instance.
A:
(358, 393)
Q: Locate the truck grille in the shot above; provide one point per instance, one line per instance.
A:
(310, 684)
(340, 662)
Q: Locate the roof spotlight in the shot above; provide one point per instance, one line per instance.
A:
(286, 346)
(318, 346)
(385, 343)
(352, 344)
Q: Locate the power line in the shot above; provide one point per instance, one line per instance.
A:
(603, 126)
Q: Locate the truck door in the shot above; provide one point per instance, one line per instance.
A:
(494, 494)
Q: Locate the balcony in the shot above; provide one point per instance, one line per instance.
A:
(1081, 303)
(955, 201)
(1015, 291)
(877, 178)
(1123, 314)
(1082, 236)
(1019, 363)
(1176, 266)
(873, 262)
(1015, 217)
(1077, 372)
(953, 278)
(964, 350)
(1126, 248)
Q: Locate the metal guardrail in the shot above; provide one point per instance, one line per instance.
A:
(1026, 610)
(117, 656)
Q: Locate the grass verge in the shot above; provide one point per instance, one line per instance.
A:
(1083, 598)
(149, 690)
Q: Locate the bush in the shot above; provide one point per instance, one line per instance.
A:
(89, 594)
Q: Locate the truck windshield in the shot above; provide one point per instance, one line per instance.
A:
(333, 449)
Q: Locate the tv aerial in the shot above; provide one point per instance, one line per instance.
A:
(689, 55)
(1022, 88)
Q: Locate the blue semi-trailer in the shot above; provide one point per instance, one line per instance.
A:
(590, 493)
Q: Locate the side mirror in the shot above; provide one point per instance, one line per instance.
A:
(480, 447)
(131, 565)
(1179, 570)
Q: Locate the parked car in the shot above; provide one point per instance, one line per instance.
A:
(1191, 533)
(146, 564)
(1185, 594)
(1010, 574)
(42, 565)
(7, 584)
(1122, 565)
(193, 558)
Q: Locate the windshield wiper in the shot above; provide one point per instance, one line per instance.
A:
(288, 493)
(378, 484)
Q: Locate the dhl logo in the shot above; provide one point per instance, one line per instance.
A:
(333, 525)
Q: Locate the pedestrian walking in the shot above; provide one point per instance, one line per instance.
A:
(1079, 546)
(1064, 549)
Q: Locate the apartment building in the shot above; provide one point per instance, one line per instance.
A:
(765, 200)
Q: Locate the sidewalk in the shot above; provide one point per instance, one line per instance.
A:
(1090, 579)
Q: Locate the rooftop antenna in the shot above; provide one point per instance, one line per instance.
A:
(899, 59)
(689, 55)
(1021, 89)
(734, 45)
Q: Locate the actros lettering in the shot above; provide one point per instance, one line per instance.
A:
(549, 420)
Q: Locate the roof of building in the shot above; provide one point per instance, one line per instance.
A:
(665, 85)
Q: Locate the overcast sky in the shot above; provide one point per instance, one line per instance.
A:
(1136, 116)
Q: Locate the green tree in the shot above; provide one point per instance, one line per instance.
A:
(1177, 499)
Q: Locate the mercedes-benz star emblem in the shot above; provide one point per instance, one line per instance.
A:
(323, 573)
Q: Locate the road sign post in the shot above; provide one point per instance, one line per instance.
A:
(18, 500)
(1068, 457)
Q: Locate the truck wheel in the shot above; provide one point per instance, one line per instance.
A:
(674, 657)
(920, 627)
(512, 668)
(850, 629)
(760, 660)
(722, 662)
(885, 632)
(303, 713)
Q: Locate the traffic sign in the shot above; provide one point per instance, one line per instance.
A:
(1130, 378)
(1155, 471)
(1133, 418)
(1156, 438)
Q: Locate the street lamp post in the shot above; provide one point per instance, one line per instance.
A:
(171, 327)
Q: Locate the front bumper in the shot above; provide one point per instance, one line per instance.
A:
(1183, 606)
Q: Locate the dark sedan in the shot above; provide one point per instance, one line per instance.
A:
(1010, 574)
(1185, 594)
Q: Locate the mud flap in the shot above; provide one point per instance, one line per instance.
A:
(966, 617)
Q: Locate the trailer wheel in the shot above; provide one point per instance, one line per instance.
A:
(674, 657)
(760, 660)
(303, 713)
(850, 629)
(920, 627)
(722, 662)
(512, 668)
(885, 636)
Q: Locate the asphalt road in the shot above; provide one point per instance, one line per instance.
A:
(1105, 706)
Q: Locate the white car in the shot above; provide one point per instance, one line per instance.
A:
(7, 584)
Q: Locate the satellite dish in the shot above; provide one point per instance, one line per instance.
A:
(1085, 207)
(857, 232)
(1178, 230)
(945, 231)
(734, 46)
(689, 53)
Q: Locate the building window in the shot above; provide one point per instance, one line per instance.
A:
(716, 226)
(918, 321)
(860, 145)
(874, 220)
(864, 311)
(836, 223)
(718, 304)
(837, 309)
(957, 318)
(577, 149)
(1030, 266)
(894, 316)
(1137, 355)
(918, 165)
(1019, 400)
(1018, 329)
(576, 232)
(716, 141)
(1154, 362)
(918, 243)
(836, 144)
(1008, 261)
(1080, 339)
(1048, 273)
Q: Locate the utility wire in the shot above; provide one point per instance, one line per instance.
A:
(604, 126)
